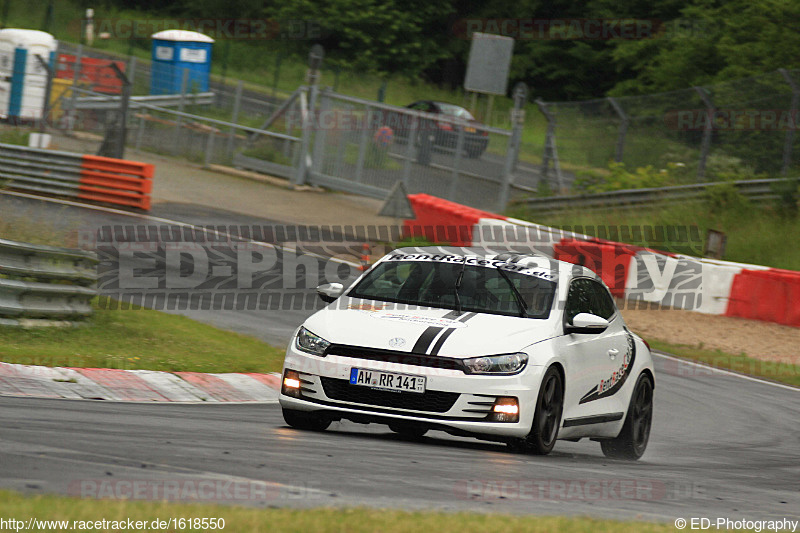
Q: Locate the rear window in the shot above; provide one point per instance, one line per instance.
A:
(455, 111)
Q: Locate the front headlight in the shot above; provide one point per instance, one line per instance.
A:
(310, 343)
(509, 363)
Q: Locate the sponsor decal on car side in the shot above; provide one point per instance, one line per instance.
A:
(613, 383)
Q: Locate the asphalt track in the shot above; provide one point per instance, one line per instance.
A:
(722, 446)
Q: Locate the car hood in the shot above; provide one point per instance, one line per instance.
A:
(433, 331)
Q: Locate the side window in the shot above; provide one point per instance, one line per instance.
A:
(604, 306)
(588, 296)
(579, 299)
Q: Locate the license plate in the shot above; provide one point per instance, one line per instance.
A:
(470, 130)
(387, 380)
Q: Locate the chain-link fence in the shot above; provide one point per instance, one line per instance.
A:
(744, 125)
(366, 147)
(735, 127)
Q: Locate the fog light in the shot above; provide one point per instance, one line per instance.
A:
(291, 384)
(505, 409)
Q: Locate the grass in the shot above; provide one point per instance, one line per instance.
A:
(771, 370)
(11, 135)
(139, 339)
(18, 227)
(754, 235)
(354, 520)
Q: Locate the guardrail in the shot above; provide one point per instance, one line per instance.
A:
(86, 177)
(44, 282)
(161, 100)
(756, 190)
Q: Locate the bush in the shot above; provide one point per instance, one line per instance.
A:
(724, 197)
(619, 178)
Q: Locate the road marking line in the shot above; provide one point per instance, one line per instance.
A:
(728, 372)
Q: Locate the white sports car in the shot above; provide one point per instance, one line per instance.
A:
(517, 348)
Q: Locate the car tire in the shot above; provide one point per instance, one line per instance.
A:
(305, 420)
(408, 431)
(546, 418)
(631, 442)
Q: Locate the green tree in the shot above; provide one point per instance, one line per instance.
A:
(712, 41)
(383, 36)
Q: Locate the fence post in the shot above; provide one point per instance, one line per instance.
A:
(314, 63)
(237, 103)
(789, 137)
(209, 148)
(318, 152)
(550, 148)
(131, 69)
(123, 109)
(47, 89)
(517, 123)
(117, 129)
(73, 112)
(708, 129)
(623, 129)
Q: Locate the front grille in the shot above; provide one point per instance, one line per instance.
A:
(391, 356)
(429, 401)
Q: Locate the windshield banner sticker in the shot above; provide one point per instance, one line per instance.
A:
(538, 272)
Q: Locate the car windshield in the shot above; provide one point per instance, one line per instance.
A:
(455, 111)
(483, 288)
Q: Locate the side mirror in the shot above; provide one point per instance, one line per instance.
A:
(586, 323)
(328, 292)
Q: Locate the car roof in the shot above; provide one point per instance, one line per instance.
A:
(564, 270)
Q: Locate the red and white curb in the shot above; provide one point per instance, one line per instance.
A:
(136, 385)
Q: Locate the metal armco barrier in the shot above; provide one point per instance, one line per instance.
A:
(61, 282)
(162, 100)
(756, 190)
(86, 177)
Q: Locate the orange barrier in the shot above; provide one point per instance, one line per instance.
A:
(116, 181)
(443, 221)
(769, 295)
(97, 72)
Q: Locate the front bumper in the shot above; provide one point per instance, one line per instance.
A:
(453, 401)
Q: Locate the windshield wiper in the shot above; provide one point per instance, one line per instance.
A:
(523, 309)
(459, 279)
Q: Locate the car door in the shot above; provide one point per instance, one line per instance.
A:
(596, 364)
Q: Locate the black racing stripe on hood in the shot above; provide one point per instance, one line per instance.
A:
(425, 340)
(446, 334)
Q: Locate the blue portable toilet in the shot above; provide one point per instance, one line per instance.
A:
(175, 51)
(23, 79)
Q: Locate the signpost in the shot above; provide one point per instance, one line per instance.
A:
(488, 67)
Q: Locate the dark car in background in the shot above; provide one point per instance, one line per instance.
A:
(443, 133)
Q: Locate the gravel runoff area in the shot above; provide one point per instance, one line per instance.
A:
(760, 340)
(266, 197)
